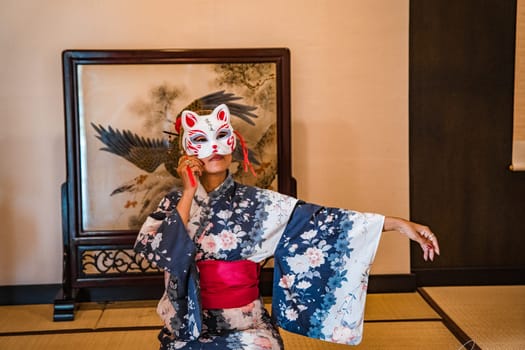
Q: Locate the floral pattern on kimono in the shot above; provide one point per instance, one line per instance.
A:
(321, 272)
(322, 258)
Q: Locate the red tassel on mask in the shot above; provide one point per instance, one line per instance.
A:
(246, 160)
(177, 125)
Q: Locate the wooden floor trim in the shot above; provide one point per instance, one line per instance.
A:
(82, 330)
(452, 326)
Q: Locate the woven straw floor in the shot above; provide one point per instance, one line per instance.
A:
(492, 317)
(392, 321)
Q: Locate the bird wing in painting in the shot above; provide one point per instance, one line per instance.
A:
(148, 154)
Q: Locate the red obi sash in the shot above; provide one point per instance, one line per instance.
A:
(228, 284)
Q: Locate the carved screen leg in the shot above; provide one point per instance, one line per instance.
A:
(64, 305)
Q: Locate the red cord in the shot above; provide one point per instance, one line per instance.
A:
(191, 176)
(246, 162)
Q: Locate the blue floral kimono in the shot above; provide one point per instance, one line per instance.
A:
(321, 261)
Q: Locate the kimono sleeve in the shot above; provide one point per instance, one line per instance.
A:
(321, 272)
(164, 240)
(163, 236)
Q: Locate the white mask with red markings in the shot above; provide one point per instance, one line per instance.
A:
(205, 135)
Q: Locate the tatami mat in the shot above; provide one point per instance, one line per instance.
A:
(141, 314)
(102, 325)
(130, 314)
(39, 318)
(396, 335)
(392, 321)
(125, 340)
(398, 306)
(426, 335)
(492, 316)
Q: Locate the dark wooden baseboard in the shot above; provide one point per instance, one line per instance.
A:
(478, 276)
(28, 294)
(50, 293)
(390, 283)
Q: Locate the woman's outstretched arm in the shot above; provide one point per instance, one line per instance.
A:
(416, 232)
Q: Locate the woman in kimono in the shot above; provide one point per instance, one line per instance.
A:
(211, 236)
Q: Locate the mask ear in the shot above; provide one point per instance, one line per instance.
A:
(188, 119)
(222, 113)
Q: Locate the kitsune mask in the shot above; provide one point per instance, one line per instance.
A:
(205, 135)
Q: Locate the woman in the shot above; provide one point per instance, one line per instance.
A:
(211, 236)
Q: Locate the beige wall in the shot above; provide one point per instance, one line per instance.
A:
(349, 102)
(518, 136)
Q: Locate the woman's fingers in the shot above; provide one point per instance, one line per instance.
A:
(428, 242)
(190, 167)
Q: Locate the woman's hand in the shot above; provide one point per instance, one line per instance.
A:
(190, 169)
(416, 232)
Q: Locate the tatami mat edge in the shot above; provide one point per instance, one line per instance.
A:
(37, 319)
(491, 316)
(377, 335)
(454, 328)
